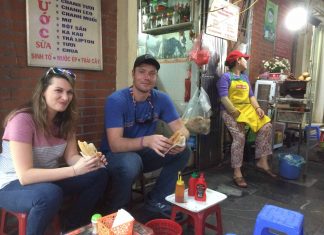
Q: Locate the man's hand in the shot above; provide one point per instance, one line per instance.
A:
(176, 150)
(159, 143)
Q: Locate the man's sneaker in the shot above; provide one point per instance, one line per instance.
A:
(162, 208)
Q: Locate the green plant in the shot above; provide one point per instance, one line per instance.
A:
(277, 65)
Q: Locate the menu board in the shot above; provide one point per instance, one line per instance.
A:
(64, 33)
(223, 19)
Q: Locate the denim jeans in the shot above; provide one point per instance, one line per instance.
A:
(43, 200)
(124, 168)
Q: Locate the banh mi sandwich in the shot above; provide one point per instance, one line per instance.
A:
(88, 149)
(178, 138)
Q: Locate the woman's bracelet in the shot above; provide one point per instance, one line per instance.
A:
(257, 108)
(141, 142)
(74, 171)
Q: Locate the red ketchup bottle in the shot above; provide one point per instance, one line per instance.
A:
(192, 184)
(201, 187)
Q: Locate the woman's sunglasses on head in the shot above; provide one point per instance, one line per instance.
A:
(61, 72)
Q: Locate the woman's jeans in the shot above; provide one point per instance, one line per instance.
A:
(42, 201)
(124, 168)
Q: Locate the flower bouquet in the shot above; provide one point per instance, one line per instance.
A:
(277, 65)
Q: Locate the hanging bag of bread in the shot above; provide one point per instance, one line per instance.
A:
(196, 116)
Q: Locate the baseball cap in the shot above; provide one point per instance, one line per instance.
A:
(234, 55)
(146, 59)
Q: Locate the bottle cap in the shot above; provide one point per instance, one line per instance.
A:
(95, 217)
(180, 181)
(194, 174)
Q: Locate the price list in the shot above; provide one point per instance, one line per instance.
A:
(64, 33)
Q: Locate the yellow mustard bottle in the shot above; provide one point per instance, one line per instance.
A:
(179, 190)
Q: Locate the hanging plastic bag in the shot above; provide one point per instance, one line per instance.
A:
(198, 54)
(197, 114)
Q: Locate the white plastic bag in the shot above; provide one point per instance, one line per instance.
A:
(197, 114)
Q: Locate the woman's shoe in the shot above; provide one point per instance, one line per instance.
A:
(240, 182)
(267, 172)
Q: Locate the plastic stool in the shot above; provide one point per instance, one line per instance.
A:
(200, 217)
(22, 222)
(316, 135)
(279, 219)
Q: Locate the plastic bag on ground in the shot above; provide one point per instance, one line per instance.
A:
(292, 159)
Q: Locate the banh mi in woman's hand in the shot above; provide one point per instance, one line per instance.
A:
(88, 149)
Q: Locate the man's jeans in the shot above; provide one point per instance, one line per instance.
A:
(124, 168)
(43, 200)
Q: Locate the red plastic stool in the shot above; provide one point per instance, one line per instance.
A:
(199, 218)
(22, 222)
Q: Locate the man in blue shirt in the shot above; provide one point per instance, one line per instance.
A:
(130, 142)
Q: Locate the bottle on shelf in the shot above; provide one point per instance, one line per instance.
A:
(179, 190)
(170, 16)
(164, 21)
(153, 22)
(159, 20)
(176, 15)
(186, 16)
(201, 187)
(192, 184)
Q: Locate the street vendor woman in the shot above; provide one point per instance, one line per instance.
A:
(240, 108)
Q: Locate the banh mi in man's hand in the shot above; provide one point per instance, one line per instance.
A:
(89, 150)
(178, 139)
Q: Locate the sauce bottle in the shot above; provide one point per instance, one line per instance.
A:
(192, 184)
(179, 190)
(94, 221)
(201, 187)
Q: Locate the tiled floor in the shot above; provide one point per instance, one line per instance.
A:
(240, 209)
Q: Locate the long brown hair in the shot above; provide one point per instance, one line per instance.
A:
(65, 121)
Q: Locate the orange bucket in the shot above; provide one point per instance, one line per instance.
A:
(164, 227)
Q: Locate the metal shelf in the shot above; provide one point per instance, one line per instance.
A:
(169, 28)
(297, 115)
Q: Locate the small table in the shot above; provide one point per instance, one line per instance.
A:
(199, 211)
(139, 229)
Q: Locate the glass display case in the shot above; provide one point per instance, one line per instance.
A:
(165, 16)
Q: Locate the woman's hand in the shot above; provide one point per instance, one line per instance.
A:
(103, 160)
(236, 113)
(87, 164)
(260, 112)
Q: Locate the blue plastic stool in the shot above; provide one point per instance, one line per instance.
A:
(280, 220)
(315, 135)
